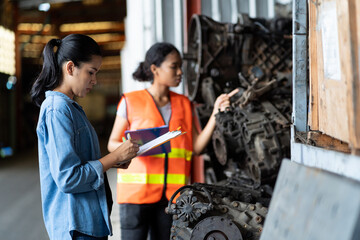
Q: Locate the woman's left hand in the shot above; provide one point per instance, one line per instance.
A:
(123, 165)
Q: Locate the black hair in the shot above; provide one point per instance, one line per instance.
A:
(77, 48)
(155, 55)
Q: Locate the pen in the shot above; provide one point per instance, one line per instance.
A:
(128, 136)
(124, 139)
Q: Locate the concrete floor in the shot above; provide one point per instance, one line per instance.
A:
(20, 203)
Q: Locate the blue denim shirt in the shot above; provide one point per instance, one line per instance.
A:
(71, 176)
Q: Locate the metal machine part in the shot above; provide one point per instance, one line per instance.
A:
(218, 52)
(204, 212)
(252, 140)
(251, 137)
(216, 228)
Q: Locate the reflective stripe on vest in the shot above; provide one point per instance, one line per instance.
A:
(177, 153)
(143, 178)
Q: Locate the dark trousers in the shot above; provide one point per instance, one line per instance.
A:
(80, 236)
(139, 220)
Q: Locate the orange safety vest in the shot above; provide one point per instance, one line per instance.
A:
(144, 180)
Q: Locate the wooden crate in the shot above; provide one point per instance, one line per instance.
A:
(334, 97)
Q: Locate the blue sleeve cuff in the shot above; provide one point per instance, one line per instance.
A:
(98, 167)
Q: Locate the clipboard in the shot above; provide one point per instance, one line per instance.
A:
(154, 140)
(143, 136)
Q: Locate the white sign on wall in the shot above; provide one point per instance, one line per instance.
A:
(330, 40)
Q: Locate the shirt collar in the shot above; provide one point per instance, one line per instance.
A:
(64, 96)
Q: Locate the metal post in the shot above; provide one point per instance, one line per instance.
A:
(300, 63)
(190, 7)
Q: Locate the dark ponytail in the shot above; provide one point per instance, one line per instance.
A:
(155, 55)
(48, 78)
(77, 48)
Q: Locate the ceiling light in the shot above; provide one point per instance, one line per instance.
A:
(91, 26)
(44, 7)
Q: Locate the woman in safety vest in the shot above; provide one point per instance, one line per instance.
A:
(143, 190)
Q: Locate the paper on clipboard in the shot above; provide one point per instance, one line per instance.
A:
(158, 141)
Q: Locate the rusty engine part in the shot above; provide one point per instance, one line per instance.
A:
(204, 211)
(251, 137)
(254, 55)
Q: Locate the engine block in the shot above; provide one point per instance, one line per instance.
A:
(251, 137)
(205, 211)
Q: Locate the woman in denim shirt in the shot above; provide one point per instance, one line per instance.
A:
(76, 198)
